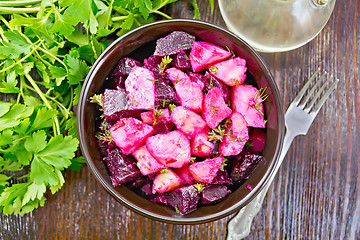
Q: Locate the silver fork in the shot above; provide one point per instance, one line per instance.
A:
(298, 119)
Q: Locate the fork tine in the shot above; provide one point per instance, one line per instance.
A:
(305, 87)
(321, 90)
(312, 90)
(325, 96)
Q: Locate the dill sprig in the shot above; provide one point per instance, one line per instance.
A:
(164, 62)
(217, 134)
(157, 113)
(200, 187)
(98, 99)
(260, 94)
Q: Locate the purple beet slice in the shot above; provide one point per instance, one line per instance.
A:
(114, 82)
(243, 165)
(147, 189)
(163, 127)
(174, 43)
(222, 177)
(103, 146)
(153, 63)
(124, 67)
(117, 105)
(165, 95)
(257, 140)
(160, 198)
(122, 168)
(184, 199)
(181, 61)
(138, 182)
(213, 193)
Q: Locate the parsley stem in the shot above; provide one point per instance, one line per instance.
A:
(60, 105)
(12, 10)
(44, 50)
(5, 22)
(18, 3)
(21, 94)
(161, 14)
(42, 59)
(71, 99)
(46, 102)
(109, 14)
(119, 18)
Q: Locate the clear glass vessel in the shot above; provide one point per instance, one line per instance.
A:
(276, 25)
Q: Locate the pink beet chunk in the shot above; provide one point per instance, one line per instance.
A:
(184, 173)
(130, 133)
(203, 54)
(148, 117)
(231, 71)
(246, 100)
(146, 162)
(187, 121)
(235, 137)
(206, 170)
(214, 108)
(175, 75)
(172, 149)
(140, 87)
(200, 145)
(166, 181)
(189, 92)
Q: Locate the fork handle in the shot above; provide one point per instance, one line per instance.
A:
(239, 226)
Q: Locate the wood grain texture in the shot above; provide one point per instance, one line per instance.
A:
(315, 194)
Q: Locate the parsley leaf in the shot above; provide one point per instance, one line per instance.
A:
(36, 142)
(45, 56)
(9, 86)
(64, 24)
(14, 115)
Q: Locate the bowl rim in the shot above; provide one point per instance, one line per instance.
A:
(179, 220)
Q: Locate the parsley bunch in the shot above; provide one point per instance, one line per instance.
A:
(46, 49)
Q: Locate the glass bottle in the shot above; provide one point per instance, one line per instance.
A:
(276, 25)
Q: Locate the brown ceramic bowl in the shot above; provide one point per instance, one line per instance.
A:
(139, 43)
